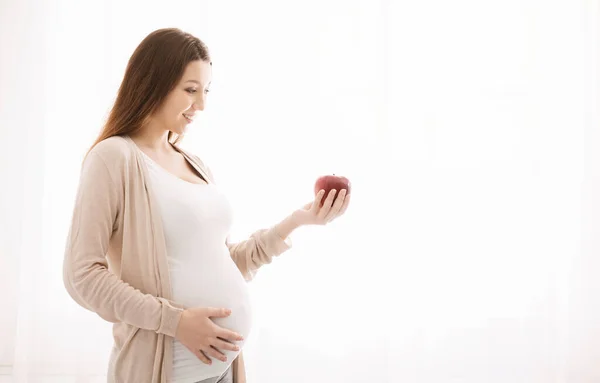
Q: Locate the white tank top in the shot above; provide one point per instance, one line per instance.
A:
(196, 220)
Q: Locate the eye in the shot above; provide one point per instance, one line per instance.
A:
(191, 90)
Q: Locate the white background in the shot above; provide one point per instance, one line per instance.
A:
(468, 130)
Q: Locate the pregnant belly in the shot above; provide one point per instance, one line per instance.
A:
(218, 284)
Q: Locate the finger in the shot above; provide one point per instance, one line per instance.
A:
(327, 205)
(217, 354)
(343, 209)
(337, 205)
(218, 312)
(345, 205)
(202, 356)
(317, 202)
(225, 345)
(228, 335)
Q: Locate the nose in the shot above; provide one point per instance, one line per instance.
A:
(199, 102)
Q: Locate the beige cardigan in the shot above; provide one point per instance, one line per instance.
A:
(115, 261)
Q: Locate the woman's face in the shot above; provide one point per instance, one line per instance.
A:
(186, 99)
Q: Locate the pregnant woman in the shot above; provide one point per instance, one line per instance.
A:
(148, 246)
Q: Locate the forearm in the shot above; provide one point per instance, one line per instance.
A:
(286, 226)
(95, 288)
(260, 248)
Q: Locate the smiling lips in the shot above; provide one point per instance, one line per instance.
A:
(189, 118)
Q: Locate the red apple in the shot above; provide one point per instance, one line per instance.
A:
(330, 182)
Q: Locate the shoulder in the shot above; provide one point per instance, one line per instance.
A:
(114, 152)
(112, 148)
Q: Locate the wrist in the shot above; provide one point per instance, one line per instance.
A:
(287, 226)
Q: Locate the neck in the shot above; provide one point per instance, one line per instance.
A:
(153, 138)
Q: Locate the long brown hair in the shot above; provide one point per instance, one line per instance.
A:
(154, 69)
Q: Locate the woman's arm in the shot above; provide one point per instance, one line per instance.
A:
(263, 245)
(249, 255)
(85, 270)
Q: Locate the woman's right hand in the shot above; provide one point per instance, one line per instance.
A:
(203, 337)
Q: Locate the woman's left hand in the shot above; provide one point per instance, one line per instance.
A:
(314, 214)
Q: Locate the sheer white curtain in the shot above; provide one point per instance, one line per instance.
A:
(468, 130)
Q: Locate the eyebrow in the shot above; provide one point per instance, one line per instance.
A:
(197, 82)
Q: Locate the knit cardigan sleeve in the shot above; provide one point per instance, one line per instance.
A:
(99, 201)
